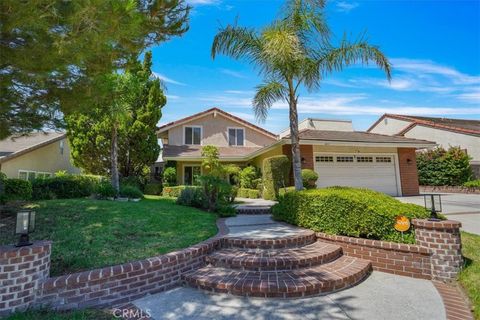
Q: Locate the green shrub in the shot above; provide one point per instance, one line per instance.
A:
(248, 193)
(153, 188)
(175, 191)
(347, 211)
(64, 186)
(131, 192)
(472, 184)
(17, 189)
(276, 171)
(250, 177)
(104, 189)
(282, 191)
(169, 176)
(192, 197)
(309, 178)
(440, 167)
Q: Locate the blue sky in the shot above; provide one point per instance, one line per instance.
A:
(434, 47)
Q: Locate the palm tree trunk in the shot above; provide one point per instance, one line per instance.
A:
(114, 159)
(296, 158)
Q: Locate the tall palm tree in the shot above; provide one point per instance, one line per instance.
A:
(294, 51)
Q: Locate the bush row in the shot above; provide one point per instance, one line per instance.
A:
(347, 211)
(176, 190)
(248, 193)
(276, 172)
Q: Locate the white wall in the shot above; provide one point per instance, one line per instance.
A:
(390, 126)
(446, 139)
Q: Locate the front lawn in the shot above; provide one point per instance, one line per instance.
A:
(89, 233)
(470, 275)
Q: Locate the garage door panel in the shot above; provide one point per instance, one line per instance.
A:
(380, 176)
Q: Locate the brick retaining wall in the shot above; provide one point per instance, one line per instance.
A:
(401, 259)
(22, 272)
(449, 189)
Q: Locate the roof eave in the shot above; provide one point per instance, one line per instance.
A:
(31, 148)
(419, 145)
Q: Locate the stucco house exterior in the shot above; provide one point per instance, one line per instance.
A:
(38, 154)
(445, 132)
(340, 156)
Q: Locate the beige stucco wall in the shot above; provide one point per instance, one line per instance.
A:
(44, 159)
(349, 149)
(214, 132)
(258, 161)
(321, 124)
(390, 126)
(446, 139)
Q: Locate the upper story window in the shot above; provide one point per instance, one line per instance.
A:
(193, 135)
(236, 136)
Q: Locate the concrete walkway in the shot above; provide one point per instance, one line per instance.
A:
(456, 206)
(380, 296)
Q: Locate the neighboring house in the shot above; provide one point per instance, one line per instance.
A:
(444, 131)
(36, 155)
(321, 124)
(341, 157)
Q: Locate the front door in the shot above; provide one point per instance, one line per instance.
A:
(190, 174)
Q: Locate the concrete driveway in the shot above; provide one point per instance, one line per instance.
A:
(456, 206)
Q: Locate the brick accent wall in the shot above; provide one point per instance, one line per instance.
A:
(306, 153)
(443, 239)
(22, 272)
(408, 171)
(390, 257)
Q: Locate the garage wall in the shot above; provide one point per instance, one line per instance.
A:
(408, 171)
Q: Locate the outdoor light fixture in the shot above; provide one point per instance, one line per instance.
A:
(25, 224)
(433, 202)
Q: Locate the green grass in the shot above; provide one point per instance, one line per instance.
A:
(89, 233)
(55, 315)
(470, 275)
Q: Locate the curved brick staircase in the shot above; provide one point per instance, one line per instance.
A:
(285, 267)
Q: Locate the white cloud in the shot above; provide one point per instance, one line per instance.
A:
(172, 97)
(344, 6)
(472, 95)
(233, 73)
(167, 80)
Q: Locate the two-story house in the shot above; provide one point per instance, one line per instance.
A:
(446, 132)
(340, 155)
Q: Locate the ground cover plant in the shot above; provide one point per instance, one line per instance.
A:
(470, 276)
(89, 233)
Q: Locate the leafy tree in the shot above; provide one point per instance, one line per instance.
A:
(55, 54)
(118, 136)
(440, 167)
(293, 51)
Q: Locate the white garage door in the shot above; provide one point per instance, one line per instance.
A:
(375, 172)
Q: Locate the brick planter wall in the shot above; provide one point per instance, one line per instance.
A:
(443, 240)
(401, 259)
(447, 189)
(22, 272)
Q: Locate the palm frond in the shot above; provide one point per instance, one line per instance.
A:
(348, 53)
(236, 42)
(267, 94)
(306, 17)
(310, 73)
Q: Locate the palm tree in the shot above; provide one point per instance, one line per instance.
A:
(293, 51)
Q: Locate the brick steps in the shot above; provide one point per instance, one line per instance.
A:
(275, 259)
(253, 210)
(336, 275)
(302, 238)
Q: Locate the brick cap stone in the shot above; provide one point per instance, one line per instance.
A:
(36, 244)
(443, 224)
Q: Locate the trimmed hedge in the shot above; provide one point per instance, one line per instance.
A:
(472, 184)
(282, 191)
(153, 188)
(17, 189)
(248, 193)
(309, 178)
(276, 172)
(131, 192)
(176, 190)
(347, 211)
(65, 187)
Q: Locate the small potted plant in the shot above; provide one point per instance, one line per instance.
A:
(309, 178)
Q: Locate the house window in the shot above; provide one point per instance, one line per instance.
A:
(26, 175)
(191, 174)
(345, 159)
(236, 136)
(43, 175)
(383, 159)
(62, 146)
(364, 159)
(324, 159)
(193, 135)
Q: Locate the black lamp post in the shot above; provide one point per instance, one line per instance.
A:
(433, 202)
(25, 224)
